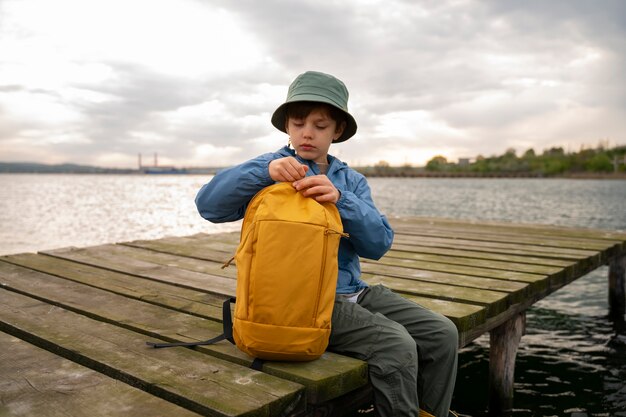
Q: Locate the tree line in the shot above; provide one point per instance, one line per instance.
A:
(554, 161)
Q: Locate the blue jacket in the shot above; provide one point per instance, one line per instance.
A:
(226, 197)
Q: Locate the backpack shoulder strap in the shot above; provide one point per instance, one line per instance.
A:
(227, 322)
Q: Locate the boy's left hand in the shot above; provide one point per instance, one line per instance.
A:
(318, 187)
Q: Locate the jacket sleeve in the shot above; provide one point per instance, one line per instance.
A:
(226, 197)
(370, 232)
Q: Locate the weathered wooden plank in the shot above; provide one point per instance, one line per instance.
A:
(574, 265)
(456, 278)
(155, 322)
(608, 242)
(179, 261)
(195, 381)
(495, 244)
(104, 257)
(485, 226)
(38, 383)
(494, 301)
(518, 238)
(396, 263)
(509, 265)
(416, 277)
(461, 254)
(513, 230)
(170, 296)
(232, 237)
(502, 248)
(211, 248)
(224, 242)
(465, 316)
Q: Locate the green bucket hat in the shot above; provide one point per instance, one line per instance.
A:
(317, 87)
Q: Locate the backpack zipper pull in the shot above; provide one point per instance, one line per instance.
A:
(331, 231)
(227, 264)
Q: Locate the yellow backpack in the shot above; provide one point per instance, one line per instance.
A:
(286, 275)
(286, 278)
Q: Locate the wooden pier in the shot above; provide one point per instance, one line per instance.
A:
(74, 321)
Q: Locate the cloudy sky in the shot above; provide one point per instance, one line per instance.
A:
(97, 82)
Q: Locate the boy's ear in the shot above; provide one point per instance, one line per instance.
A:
(339, 131)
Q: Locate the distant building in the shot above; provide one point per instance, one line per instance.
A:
(162, 170)
(463, 162)
(170, 169)
(617, 162)
(156, 169)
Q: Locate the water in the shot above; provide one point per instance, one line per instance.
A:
(571, 362)
(50, 211)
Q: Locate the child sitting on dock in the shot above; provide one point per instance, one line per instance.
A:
(411, 351)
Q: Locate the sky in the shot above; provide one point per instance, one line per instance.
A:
(196, 81)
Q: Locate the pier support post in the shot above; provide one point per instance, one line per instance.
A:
(617, 293)
(504, 341)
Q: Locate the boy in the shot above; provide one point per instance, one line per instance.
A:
(411, 351)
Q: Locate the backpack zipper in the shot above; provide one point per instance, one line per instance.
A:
(321, 278)
(327, 232)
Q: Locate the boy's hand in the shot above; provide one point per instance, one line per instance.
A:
(318, 187)
(287, 169)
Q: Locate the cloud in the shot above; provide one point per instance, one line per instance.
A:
(197, 81)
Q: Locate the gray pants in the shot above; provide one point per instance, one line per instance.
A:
(411, 351)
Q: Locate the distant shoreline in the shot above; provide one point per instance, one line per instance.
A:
(503, 175)
(600, 163)
(424, 174)
(35, 168)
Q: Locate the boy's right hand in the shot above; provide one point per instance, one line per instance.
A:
(287, 169)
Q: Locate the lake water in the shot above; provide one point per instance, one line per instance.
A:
(571, 362)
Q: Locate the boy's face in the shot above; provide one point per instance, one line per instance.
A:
(311, 136)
